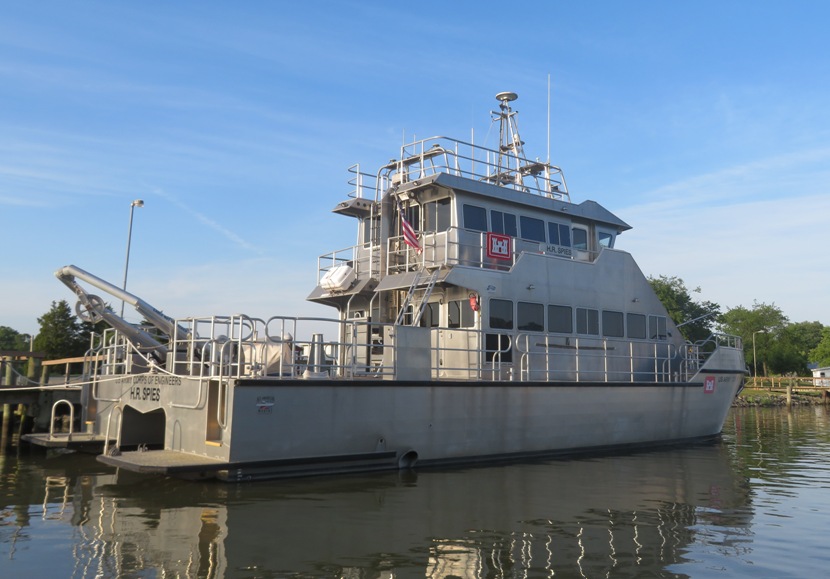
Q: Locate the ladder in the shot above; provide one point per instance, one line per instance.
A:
(418, 312)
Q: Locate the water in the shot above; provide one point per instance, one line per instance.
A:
(755, 504)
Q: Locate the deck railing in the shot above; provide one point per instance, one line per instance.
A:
(455, 246)
(224, 347)
(438, 154)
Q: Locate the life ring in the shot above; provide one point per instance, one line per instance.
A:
(474, 303)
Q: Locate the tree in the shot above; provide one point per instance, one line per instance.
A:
(784, 358)
(790, 351)
(805, 336)
(697, 317)
(61, 335)
(11, 339)
(821, 353)
(764, 322)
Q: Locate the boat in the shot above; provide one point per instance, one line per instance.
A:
(481, 315)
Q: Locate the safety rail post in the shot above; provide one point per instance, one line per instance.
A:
(605, 358)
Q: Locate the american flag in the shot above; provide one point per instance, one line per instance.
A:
(409, 235)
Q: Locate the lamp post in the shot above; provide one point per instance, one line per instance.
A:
(30, 363)
(133, 205)
(754, 357)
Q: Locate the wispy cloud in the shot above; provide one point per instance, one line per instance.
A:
(209, 222)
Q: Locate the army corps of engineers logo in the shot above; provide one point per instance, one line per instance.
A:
(498, 246)
(709, 385)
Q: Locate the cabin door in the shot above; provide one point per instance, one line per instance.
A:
(217, 412)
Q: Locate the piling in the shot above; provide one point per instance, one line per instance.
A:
(9, 373)
(7, 422)
(790, 393)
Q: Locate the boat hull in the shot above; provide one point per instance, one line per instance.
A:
(273, 428)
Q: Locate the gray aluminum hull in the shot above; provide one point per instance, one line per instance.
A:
(295, 427)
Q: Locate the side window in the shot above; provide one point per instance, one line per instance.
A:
(612, 324)
(636, 326)
(460, 314)
(437, 215)
(606, 239)
(587, 321)
(475, 218)
(503, 223)
(430, 319)
(560, 319)
(532, 229)
(559, 234)
(580, 239)
(501, 314)
(657, 328)
(530, 317)
(412, 213)
(370, 230)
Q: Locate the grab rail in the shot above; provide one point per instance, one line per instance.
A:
(71, 418)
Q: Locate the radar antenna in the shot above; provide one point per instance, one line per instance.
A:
(511, 146)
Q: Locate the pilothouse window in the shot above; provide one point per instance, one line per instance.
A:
(437, 215)
(412, 213)
(606, 239)
(580, 238)
(475, 218)
(559, 234)
(370, 230)
(504, 223)
(532, 229)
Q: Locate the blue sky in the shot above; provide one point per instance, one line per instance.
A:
(704, 125)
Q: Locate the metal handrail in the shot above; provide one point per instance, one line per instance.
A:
(71, 418)
(423, 158)
(582, 349)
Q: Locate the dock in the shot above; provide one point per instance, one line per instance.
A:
(30, 405)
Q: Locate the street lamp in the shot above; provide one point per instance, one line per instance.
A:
(754, 357)
(133, 205)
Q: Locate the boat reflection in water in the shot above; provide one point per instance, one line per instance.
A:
(630, 515)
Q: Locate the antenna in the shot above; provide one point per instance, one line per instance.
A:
(548, 118)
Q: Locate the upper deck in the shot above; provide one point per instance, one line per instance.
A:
(464, 205)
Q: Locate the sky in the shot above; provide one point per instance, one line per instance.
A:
(704, 125)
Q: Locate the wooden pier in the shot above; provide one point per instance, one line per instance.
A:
(28, 403)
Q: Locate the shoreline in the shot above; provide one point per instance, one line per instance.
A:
(764, 397)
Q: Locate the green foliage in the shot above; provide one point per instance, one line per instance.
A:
(61, 334)
(821, 353)
(743, 322)
(790, 351)
(11, 339)
(697, 317)
(783, 358)
(780, 347)
(805, 336)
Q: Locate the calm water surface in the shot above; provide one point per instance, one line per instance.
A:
(755, 504)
